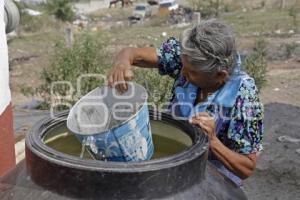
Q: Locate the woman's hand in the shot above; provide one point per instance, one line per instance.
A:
(118, 75)
(206, 123)
(122, 68)
(121, 72)
(241, 165)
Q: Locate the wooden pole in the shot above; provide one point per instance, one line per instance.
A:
(282, 4)
(69, 37)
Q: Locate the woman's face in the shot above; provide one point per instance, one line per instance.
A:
(204, 80)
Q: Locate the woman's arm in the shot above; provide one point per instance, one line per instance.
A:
(125, 59)
(141, 57)
(239, 164)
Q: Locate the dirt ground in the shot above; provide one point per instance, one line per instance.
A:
(277, 174)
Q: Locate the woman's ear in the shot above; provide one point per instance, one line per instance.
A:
(222, 76)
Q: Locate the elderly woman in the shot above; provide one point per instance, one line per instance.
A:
(209, 90)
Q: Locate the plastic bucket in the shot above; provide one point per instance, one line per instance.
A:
(116, 126)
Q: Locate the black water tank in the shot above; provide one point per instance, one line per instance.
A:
(186, 175)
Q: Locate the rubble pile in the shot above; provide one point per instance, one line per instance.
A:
(181, 15)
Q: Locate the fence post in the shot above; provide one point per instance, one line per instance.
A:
(69, 37)
(196, 18)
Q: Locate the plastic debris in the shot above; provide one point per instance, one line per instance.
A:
(286, 138)
(164, 34)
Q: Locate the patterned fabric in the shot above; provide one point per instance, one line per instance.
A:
(169, 58)
(242, 128)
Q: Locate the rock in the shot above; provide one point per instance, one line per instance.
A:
(133, 45)
(291, 32)
(80, 23)
(11, 35)
(32, 12)
(120, 23)
(182, 25)
(164, 34)
(83, 17)
(94, 29)
(276, 89)
(278, 32)
(284, 51)
(256, 33)
(108, 15)
(296, 51)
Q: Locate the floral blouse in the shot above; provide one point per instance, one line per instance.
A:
(243, 130)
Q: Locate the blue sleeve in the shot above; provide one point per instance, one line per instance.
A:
(168, 55)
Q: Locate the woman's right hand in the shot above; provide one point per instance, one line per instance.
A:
(120, 74)
(122, 70)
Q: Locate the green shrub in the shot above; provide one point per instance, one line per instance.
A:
(86, 57)
(255, 64)
(293, 12)
(61, 9)
(89, 56)
(157, 86)
(290, 49)
(208, 8)
(26, 91)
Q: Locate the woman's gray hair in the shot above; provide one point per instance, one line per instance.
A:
(209, 46)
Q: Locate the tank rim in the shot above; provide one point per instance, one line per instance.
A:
(37, 132)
